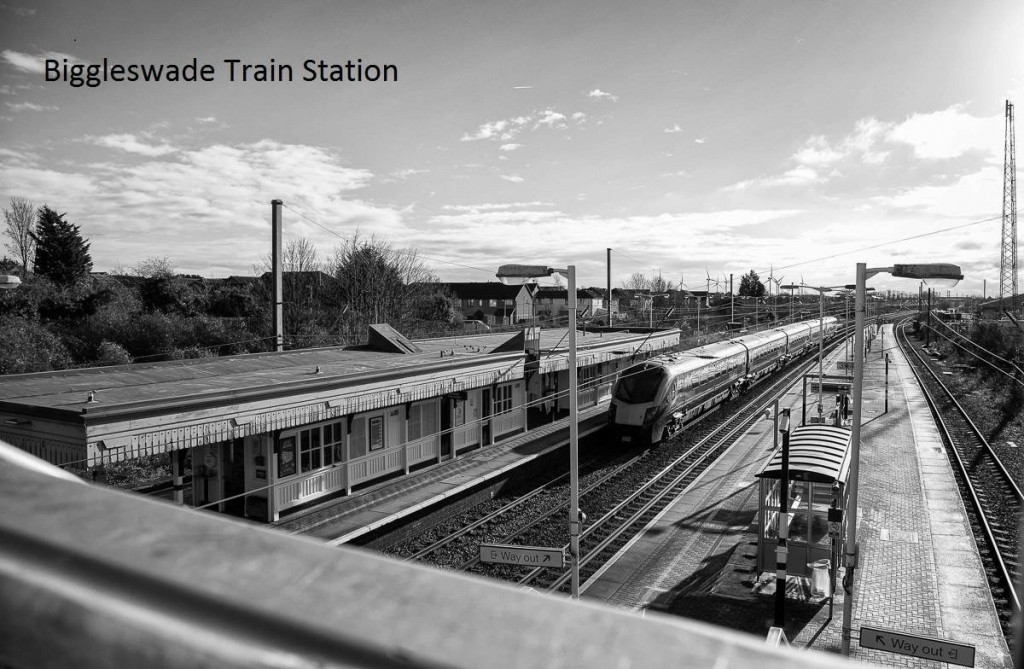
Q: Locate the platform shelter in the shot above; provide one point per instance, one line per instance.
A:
(819, 464)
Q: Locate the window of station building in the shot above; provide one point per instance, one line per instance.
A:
(503, 399)
(422, 420)
(321, 446)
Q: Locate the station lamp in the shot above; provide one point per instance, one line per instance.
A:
(509, 274)
(944, 272)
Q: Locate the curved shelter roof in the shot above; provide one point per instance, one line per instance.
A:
(817, 453)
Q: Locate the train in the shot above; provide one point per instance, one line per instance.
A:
(657, 398)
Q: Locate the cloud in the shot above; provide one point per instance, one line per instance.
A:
(34, 64)
(29, 106)
(506, 130)
(551, 118)
(974, 195)
(206, 119)
(798, 176)
(597, 93)
(131, 144)
(675, 128)
(19, 11)
(208, 207)
(406, 173)
(514, 178)
(949, 133)
(510, 147)
(700, 140)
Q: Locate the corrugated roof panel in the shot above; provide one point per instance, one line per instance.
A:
(818, 453)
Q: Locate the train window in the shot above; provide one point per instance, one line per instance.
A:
(639, 385)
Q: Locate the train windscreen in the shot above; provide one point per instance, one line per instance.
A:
(639, 385)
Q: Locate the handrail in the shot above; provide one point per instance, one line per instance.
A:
(92, 577)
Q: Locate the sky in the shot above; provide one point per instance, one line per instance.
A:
(694, 139)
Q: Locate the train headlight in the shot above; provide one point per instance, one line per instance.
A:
(649, 414)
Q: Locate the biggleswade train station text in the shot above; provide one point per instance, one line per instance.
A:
(91, 75)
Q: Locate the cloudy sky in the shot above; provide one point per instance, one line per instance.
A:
(692, 138)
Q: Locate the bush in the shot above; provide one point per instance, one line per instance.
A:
(30, 347)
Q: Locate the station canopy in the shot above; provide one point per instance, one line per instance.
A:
(817, 453)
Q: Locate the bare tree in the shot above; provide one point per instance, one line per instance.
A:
(300, 255)
(154, 268)
(20, 219)
(637, 281)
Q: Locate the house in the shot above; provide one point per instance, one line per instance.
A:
(553, 302)
(493, 303)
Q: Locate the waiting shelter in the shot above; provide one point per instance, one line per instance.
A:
(819, 464)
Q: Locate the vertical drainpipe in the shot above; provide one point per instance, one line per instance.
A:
(275, 259)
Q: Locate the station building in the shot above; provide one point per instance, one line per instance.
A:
(272, 432)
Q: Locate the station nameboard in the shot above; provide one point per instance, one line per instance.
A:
(928, 648)
(527, 556)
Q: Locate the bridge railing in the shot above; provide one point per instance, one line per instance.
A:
(92, 577)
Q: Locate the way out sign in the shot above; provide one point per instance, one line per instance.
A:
(527, 556)
(928, 648)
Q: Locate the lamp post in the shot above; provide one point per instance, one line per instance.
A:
(530, 272)
(933, 271)
(782, 550)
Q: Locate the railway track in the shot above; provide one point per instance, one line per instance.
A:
(620, 499)
(994, 500)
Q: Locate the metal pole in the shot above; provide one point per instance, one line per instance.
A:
(276, 261)
(886, 383)
(928, 332)
(821, 350)
(574, 448)
(782, 551)
(608, 277)
(858, 393)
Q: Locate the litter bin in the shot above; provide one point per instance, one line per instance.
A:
(820, 581)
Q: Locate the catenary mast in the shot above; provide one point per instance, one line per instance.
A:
(1008, 248)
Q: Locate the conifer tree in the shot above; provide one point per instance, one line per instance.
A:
(62, 254)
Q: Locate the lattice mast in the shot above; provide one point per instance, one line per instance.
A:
(1008, 260)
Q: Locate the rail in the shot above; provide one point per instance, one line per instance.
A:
(91, 577)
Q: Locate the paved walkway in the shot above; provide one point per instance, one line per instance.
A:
(919, 569)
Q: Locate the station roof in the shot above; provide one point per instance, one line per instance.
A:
(817, 453)
(154, 407)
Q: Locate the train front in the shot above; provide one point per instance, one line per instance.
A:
(635, 404)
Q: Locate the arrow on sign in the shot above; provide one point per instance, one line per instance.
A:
(880, 640)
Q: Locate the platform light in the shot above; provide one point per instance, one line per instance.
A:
(934, 271)
(507, 273)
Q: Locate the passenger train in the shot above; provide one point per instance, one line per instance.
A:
(655, 399)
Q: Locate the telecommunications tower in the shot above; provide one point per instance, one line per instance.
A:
(1008, 257)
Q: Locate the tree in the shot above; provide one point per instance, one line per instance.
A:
(298, 255)
(19, 219)
(62, 254)
(380, 284)
(751, 286)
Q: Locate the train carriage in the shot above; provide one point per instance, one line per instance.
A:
(657, 398)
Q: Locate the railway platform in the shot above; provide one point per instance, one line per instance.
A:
(919, 574)
(350, 517)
